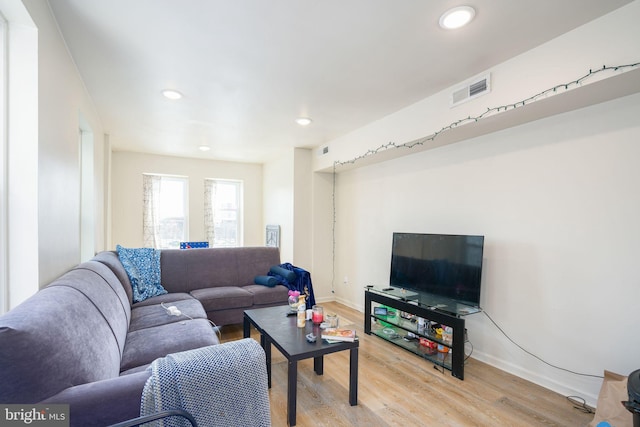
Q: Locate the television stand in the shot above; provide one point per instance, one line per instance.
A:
(393, 328)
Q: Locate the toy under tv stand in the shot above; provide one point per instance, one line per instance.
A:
(443, 311)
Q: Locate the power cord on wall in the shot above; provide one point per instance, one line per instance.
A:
(578, 402)
(535, 356)
(467, 356)
(172, 310)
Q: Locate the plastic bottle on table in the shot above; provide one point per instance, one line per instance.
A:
(302, 312)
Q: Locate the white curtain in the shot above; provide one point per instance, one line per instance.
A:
(150, 210)
(209, 210)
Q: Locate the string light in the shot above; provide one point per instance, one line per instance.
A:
(488, 112)
(420, 142)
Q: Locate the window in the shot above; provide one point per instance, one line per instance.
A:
(223, 212)
(165, 216)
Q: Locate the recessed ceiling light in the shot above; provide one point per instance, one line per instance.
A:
(457, 17)
(303, 121)
(171, 94)
(204, 148)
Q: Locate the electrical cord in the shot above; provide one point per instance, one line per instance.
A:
(535, 356)
(217, 329)
(467, 356)
(580, 404)
(172, 310)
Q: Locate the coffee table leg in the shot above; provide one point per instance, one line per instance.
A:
(292, 389)
(246, 327)
(318, 365)
(266, 346)
(353, 376)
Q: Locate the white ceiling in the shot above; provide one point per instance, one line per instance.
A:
(248, 68)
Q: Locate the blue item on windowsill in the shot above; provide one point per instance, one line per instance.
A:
(194, 245)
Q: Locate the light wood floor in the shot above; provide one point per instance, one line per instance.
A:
(398, 388)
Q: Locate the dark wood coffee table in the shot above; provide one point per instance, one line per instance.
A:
(276, 328)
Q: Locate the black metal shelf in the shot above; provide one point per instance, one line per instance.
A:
(437, 357)
(409, 326)
(452, 360)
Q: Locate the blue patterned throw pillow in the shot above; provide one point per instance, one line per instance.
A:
(143, 268)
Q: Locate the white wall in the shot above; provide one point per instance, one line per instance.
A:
(302, 211)
(558, 204)
(278, 190)
(61, 100)
(288, 202)
(322, 237)
(126, 193)
(19, 157)
(609, 40)
(556, 199)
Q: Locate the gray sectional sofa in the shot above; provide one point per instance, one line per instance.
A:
(221, 279)
(82, 341)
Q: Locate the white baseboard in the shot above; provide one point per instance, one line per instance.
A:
(535, 378)
(503, 365)
(341, 301)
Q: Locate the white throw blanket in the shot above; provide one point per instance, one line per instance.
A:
(220, 385)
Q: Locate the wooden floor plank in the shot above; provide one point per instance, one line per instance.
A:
(398, 388)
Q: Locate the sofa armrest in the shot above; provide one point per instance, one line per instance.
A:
(238, 389)
(103, 402)
(222, 384)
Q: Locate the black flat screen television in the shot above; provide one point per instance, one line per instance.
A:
(443, 265)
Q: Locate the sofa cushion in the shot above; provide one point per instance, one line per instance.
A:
(154, 315)
(111, 260)
(143, 268)
(108, 278)
(188, 270)
(135, 370)
(253, 261)
(145, 345)
(104, 402)
(101, 297)
(169, 298)
(233, 316)
(267, 295)
(223, 298)
(44, 328)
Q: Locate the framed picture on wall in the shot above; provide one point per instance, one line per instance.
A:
(273, 236)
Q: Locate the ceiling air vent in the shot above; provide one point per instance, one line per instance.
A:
(323, 150)
(473, 89)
